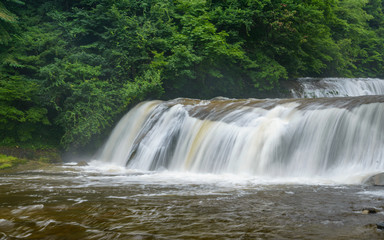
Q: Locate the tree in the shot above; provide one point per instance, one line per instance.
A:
(71, 68)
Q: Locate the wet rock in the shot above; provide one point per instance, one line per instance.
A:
(369, 211)
(82, 164)
(375, 180)
(380, 225)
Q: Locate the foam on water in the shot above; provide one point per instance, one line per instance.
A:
(108, 174)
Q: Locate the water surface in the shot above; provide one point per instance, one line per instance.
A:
(107, 202)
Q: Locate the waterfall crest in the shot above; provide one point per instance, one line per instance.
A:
(337, 87)
(273, 137)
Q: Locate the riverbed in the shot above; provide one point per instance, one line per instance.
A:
(107, 202)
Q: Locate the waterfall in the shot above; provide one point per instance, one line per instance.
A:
(337, 87)
(271, 137)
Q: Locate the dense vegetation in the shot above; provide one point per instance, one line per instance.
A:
(70, 68)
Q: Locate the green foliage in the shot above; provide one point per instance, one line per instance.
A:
(69, 69)
(20, 116)
(7, 21)
(9, 161)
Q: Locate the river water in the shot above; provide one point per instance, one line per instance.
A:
(218, 169)
(108, 202)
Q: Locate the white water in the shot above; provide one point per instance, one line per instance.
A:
(340, 140)
(116, 149)
(338, 87)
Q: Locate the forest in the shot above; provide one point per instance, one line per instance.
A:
(69, 69)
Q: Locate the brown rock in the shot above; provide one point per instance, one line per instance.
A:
(375, 180)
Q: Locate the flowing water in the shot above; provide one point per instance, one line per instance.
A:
(107, 202)
(216, 169)
(333, 138)
(337, 87)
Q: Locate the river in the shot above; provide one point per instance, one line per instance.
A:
(107, 202)
(217, 169)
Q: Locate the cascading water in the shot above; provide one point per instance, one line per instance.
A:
(269, 138)
(233, 169)
(337, 87)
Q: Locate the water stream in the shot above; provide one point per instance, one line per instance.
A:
(107, 202)
(218, 169)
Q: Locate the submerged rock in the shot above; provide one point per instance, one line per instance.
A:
(369, 211)
(375, 180)
(380, 225)
(82, 164)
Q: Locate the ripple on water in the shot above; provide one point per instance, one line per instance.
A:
(82, 205)
(27, 209)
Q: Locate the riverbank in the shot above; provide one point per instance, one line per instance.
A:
(12, 157)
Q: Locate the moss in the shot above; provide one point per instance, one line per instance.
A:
(13, 157)
(44, 155)
(5, 165)
(9, 161)
(11, 164)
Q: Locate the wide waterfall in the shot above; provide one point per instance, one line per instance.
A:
(267, 138)
(337, 87)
